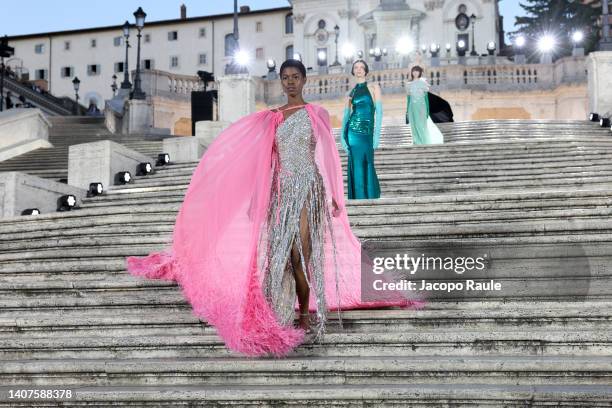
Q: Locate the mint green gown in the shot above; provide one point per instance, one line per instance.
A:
(359, 135)
(424, 131)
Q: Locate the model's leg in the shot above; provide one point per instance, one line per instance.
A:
(300, 263)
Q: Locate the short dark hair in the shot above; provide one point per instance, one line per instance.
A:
(295, 64)
(365, 64)
(417, 69)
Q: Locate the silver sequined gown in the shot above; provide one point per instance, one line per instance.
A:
(300, 185)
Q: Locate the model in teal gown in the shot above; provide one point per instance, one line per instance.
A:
(360, 136)
(424, 131)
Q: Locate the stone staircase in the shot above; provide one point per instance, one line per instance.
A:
(70, 130)
(535, 196)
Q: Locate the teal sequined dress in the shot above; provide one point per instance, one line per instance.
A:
(359, 134)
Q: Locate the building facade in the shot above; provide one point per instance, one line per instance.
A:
(307, 27)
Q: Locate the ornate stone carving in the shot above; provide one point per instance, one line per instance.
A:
(321, 35)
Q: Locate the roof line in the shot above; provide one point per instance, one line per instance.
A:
(149, 24)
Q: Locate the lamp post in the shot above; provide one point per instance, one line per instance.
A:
(337, 32)
(126, 76)
(137, 93)
(605, 44)
(5, 52)
(114, 85)
(76, 83)
(239, 61)
(473, 53)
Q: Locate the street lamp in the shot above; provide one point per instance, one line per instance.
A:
(140, 20)
(126, 76)
(605, 43)
(76, 83)
(473, 19)
(5, 52)
(114, 85)
(337, 33)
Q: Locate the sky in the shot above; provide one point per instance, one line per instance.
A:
(59, 15)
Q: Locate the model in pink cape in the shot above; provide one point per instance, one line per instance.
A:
(263, 222)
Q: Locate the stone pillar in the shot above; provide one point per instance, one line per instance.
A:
(236, 97)
(139, 114)
(207, 130)
(98, 162)
(22, 130)
(599, 67)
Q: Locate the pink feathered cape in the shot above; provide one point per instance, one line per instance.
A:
(213, 256)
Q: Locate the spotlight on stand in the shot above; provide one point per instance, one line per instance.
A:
(348, 52)
(271, 75)
(377, 53)
(242, 58)
(322, 56)
(271, 64)
(143, 169)
(594, 117)
(423, 48)
(359, 54)
(94, 189)
(404, 46)
(604, 122)
(434, 49)
(66, 202)
(448, 48)
(31, 211)
(491, 47)
(519, 42)
(461, 48)
(123, 177)
(162, 159)
(577, 38)
(297, 56)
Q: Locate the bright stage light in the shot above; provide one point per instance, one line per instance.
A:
(162, 159)
(546, 43)
(321, 55)
(404, 45)
(144, 169)
(66, 202)
(577, 36)
(242, 57)
(519, 41)
(123, 177)
(94, 189)
(297, 56)
(31, 211)
(348, 51)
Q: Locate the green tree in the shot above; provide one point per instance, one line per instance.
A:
(560, 18)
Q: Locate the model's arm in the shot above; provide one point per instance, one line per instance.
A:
(378, 115)
(407, 103)
(345, 118)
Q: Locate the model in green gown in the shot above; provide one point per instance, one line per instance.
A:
(361, 134)
(424, 131)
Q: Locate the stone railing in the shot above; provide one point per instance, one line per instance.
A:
(506, 77)
(169, 85)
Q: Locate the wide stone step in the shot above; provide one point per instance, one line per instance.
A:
(420, 343)
(358, 396)
(511, 316)
(381, 370)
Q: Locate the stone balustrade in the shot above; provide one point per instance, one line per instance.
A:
(498, 77)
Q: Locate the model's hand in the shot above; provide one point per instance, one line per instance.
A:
(336, 209)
